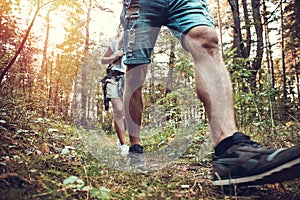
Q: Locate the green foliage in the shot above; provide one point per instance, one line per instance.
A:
(46, 159)
(252, 105)
(184, 67)
(100, 193)
(107, 123)
(8, 31)
(73, 182)
(170, 103)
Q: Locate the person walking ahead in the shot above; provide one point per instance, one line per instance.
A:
(115, 87)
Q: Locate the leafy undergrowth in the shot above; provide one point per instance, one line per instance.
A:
(45, 159)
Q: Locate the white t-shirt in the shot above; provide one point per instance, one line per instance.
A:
(119, 66)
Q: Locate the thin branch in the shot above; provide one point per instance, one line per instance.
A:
(6, 175)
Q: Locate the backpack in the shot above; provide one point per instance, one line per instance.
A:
(103, 85)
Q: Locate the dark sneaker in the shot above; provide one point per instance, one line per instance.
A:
(136, 159)
(247, 163)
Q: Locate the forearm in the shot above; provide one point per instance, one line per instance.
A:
(110, 59)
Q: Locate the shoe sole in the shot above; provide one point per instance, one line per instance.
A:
(285, 172)
(136, 163)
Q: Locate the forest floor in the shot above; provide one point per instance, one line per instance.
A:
(45, 159)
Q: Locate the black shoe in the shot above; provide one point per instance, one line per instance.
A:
(247, 163)
(136, 159)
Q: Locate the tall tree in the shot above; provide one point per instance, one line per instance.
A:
(84, 70)
(11, 62)
(268, 45)
(291, 50)
(237, 37)
(72, 55)
(247, 47)
(256, 64)
(8, 27)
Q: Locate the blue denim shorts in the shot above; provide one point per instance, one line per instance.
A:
(143, 19)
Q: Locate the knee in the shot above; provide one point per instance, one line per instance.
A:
(202, 38)
(118, 114)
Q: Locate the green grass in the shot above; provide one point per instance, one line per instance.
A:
(51, 160)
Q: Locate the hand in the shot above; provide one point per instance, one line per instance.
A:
(119, 53)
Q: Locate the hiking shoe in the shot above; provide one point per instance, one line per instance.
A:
(136, 159)
(247, 163)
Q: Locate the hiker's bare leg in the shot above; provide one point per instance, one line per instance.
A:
(118, 110)
(133, 101)
(213, 84)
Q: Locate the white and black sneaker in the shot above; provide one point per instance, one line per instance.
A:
(241, 161)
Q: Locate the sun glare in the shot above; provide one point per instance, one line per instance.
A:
(103, 24)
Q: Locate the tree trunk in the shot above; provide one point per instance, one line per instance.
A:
(12, 61)
(44, 66)
(256, 65)
(171, 68)
(297, 56)
(284, 80)
(246, 50)
(84, 71)
(50, 89)
(297, 75)
(269, 57)
(237, 39)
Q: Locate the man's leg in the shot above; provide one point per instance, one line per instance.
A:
(237, 159)
(213, 85)
(133, 106)
(133, 101)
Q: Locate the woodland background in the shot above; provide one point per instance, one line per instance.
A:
(50, 91)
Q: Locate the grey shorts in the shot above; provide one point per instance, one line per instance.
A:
(142, 20)
(115, 87)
